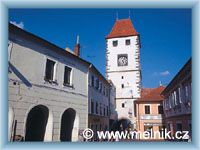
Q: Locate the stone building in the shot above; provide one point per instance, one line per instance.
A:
(48, 90)
(178, 100)
(123, 66)
(53, 93)
(149, 112)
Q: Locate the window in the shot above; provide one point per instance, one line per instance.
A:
(104, 90)
(107, 92)
(100, 87)
(122, 86)
(160, 109)
(92, 107)
(100, 109)
(96, 108)
(115, 43)
(123, 105)
(147, 109)
(49, 72)
(104, 110)
(122, 77)
(148, 128)
(107, 110)
(122, 60)
(92, 82)
(67, 76)
(128, 42)
(97, 84)
(178, 127)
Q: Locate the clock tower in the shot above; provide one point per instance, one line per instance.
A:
(123, 66)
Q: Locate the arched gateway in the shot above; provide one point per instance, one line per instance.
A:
(67, 124)
(36, 123)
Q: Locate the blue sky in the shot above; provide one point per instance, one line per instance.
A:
(165, 35)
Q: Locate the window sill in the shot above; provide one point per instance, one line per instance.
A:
(68, 86)
(51, 82)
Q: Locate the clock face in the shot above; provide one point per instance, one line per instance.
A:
(122, 60)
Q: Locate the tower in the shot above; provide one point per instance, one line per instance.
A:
(123, 66)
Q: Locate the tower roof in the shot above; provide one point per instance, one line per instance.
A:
(122, 28)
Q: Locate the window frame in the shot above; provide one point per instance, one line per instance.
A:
(145, 109)
(53, 80)
(70, 76)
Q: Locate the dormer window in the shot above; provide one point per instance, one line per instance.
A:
(115, 43)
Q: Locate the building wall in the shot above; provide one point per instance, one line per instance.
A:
(113, 112)
(131, 74)
(98, 121)
(153, 119)
(27, 87)
(178, 101)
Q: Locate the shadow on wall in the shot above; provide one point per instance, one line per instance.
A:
(19, 75)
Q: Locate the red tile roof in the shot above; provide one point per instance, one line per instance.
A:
(122, 28)
(151, 94)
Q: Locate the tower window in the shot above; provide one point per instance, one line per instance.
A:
(122, 77)
(123, 105)
(115, 43)
(122, 86)
(128, 42)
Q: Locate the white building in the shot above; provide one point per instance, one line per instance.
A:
(48, 89)
(123, 66)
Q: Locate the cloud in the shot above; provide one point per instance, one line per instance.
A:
(165, 73)
(20, 24)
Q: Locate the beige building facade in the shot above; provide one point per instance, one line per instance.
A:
(149, 112)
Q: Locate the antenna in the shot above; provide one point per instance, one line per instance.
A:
(117, 15)
(129, 13)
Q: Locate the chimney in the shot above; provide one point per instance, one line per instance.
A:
(77, 47)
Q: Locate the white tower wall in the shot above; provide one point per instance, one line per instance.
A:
(127, 79)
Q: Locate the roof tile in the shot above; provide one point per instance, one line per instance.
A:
(151, 94)
(122, 28)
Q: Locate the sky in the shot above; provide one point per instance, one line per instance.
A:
(165, 35)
